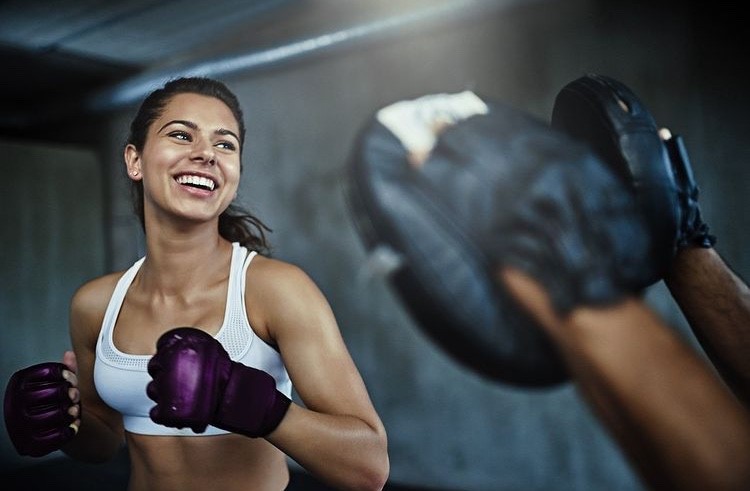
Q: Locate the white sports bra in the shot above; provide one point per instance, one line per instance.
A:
(121, 378)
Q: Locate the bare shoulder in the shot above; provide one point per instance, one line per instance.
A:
(95, 294)
(278, 283)
(279, 294)
(90, 301)
(277, 275)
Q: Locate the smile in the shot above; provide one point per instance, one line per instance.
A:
(196, 181)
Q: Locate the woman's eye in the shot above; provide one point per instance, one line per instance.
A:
(180, 135)
(226, 145)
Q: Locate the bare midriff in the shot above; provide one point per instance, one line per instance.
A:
(227, 462)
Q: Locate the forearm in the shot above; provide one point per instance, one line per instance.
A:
(673, 418)
(344, 451)
(716, 303)
(95, 442)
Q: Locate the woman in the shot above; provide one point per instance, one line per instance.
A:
(183, 157)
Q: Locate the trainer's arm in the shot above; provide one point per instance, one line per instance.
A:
(716, 303)
(337, 435)
(101, 432)
(674, 419)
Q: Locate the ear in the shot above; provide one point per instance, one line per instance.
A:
(133, 162)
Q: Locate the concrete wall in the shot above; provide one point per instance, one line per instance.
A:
(448, 428)
(52, 240)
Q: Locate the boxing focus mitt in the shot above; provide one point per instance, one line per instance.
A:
(533, 199)
(606, 115)
(497, 187)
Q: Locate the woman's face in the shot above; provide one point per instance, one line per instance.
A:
(190, 163)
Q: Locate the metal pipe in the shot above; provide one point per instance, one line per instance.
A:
(134, 89)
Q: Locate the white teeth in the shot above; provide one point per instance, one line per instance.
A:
(203, 182)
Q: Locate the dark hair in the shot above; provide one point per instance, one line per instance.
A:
(235, 224)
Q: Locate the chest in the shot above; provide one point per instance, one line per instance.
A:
(143, 319)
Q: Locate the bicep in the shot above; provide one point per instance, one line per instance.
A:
(314, 352)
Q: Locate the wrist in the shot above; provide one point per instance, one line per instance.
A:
(251, 405)
(587, 325)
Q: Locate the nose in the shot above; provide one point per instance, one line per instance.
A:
(204, 152)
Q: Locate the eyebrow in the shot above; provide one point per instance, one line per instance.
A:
(190, 124)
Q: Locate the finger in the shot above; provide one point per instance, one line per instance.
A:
(70, 360)
(71, 377)
(154, 366)
(53, 417)
(531, 296)
(152, 391)
(42, 373)
(55, 437)
(75, 426)
(52, 393)
(75, 395)
(74, 410)
(155, 415)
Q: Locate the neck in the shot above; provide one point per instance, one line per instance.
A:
(176, 259)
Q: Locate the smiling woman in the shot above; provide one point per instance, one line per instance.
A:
(188, 141)
(206, 406)
(235, 224)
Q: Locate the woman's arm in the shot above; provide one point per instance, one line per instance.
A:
(101, 432)
(671, 415)
(337, 436)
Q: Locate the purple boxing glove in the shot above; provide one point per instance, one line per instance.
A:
(36, 409)
(196, 384)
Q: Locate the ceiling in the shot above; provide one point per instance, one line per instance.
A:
(64, 57)
(61, 57)
(56, 54)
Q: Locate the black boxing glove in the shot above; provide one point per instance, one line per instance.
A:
(36, 409)
(195, 384)
(606, 115)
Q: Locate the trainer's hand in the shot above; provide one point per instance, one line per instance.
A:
(196, 384)
(576, 231)
(531, 296)
(418, 122)
(42, 408)
(532, 198)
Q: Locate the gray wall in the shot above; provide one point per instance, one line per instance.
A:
(447, 427)
(52, 236)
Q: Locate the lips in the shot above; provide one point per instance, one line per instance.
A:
(196, 181)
